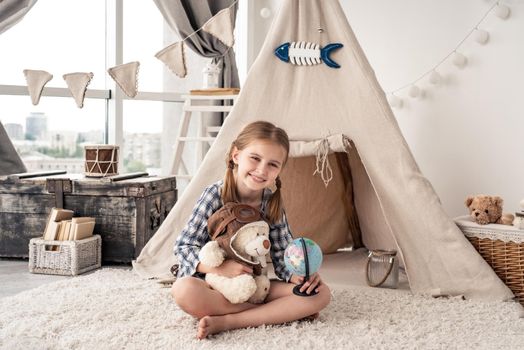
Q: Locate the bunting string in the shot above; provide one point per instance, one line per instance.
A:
(220, 26)
(126, 75)
(201, 28)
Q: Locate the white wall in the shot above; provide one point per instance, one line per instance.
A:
(466, 133)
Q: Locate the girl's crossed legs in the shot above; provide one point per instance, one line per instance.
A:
(217, 314)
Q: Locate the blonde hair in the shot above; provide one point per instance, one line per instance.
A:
(259, 130)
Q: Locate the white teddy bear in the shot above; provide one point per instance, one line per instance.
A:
(249, 245)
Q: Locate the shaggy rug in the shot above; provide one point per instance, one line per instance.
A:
(115, 309)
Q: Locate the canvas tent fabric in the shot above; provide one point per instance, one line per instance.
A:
(395, 203)
(12, 12)
(10, 162)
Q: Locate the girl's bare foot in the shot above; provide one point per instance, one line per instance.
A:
(209, 325)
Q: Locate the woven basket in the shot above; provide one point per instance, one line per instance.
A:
(502, 247)
(67, 258)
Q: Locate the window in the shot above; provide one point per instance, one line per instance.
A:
(58, 36)
(63, 36)
(149, 121)
(50, 135)
(143, 137)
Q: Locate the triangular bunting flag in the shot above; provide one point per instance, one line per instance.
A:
(77, 84)
(36, 80)
(126, 76)
(174, 58)
(220, 26)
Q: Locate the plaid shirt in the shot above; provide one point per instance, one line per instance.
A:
(195, 235)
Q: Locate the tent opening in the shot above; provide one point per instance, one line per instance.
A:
(345, 213)
(326, 214)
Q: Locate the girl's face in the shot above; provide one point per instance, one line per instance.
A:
(259, 164)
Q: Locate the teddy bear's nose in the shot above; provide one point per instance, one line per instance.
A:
(266, 244)
(477, 213)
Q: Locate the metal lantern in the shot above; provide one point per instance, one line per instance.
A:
(382, 268)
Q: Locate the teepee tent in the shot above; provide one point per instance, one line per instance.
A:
(10, 162)
(341, 126)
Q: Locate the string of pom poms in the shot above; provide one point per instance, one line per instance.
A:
(480, 36)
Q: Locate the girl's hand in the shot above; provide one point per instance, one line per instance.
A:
(296, 279)
(232, 268)
(312, 284)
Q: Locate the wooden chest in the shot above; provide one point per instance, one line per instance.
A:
(128, 212)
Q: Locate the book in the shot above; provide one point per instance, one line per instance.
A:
(215, 91)
(53, 222)
(60, 231)
(66, 230)
(82, 219)
(81, 227)
(83, 230)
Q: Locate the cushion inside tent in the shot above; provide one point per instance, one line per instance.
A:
(336, 210)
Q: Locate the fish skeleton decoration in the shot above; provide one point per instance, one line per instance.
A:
(304, 53)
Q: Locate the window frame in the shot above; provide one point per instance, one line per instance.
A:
(113, 95)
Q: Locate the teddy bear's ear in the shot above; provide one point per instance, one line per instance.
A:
(468, 201)
(498, 200)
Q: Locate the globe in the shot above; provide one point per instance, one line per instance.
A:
(295, 260)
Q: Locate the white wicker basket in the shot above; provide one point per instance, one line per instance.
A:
(67, 258)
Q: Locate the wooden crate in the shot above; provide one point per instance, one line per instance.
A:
(127, 212)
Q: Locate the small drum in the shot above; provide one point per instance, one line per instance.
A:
(101, 160)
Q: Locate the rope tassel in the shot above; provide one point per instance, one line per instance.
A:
(322, 162)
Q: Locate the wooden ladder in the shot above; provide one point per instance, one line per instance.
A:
(193, 103)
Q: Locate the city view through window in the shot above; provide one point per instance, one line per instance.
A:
(52, 134)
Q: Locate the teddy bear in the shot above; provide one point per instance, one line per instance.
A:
(487, 209)
(237, 232)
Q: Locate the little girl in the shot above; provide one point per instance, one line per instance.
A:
(254, 163)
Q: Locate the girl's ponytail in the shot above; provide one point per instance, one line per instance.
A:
(229, 189)
(274, 206)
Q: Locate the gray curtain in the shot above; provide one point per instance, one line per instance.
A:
(186, 16)
(10, 162)
(12, 11)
